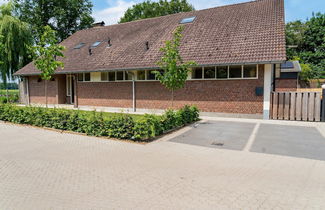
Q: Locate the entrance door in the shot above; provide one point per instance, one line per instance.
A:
(70, 89)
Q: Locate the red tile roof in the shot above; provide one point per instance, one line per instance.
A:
(241, 33)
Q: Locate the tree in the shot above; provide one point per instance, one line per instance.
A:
(64, 16)
(149, 9)
(16, 38)
(174, 71)
(309, 38)
(46, 52)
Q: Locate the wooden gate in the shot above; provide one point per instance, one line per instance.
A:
(299, 106)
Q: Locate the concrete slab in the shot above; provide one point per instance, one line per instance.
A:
(296, 141)
(218, 134)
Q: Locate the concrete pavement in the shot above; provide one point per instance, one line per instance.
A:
(41, 169)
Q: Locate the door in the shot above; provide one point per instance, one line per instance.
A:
(70, 89)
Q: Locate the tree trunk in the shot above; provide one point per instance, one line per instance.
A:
(46, 93)
(172, 99)
(7, 94)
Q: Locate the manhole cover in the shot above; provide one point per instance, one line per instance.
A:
(220, 144)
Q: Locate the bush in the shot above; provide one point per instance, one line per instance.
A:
(121, 126)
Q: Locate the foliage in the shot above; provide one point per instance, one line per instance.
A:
(46, 52)
(174, 71)
(309, 37)
(149, 9)
(16, 38)
(122, 126)
(64, 16)
(10, 86)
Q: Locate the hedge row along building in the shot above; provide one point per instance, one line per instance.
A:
(238, 48)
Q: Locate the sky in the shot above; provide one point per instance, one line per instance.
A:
(110, 11)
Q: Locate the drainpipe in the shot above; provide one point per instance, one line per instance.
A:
(75, 78)
(133, 91)
(323, 104)
(27, 90)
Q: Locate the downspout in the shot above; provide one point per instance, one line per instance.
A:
(75, 78)
(274, 75)
(27, 90)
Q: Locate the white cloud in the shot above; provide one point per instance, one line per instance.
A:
(204, 4)
(3, 1)
(111, 15)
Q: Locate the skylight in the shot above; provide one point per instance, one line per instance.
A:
(188, 20)
(95, 44)
(79, 46)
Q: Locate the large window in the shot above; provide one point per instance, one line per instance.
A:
(104, 76)
(222, 72)
(141, 75)
(197, 73)
(209, 72)
(84, 77)
(235, 71)
(111, 76)
(119, 75)
(250, 71)
(151, 75)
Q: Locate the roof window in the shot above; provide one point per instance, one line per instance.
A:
(95, 44)
(80, 45)
(188, 20)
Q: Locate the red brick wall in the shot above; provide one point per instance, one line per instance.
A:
(37, 91)
(286, 85)
(228, 96)
(111, 94)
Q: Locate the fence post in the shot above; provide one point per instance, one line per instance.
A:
(323, 104)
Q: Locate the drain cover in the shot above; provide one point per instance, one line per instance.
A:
(220, 144)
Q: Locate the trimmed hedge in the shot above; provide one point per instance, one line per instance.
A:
(123, 126)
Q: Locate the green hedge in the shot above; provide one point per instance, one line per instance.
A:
(123, 126)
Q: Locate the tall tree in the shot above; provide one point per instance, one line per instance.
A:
(46, 52)
(63, 16)
(16, 38)
(149, 9)
(309, 40)
(174, 71)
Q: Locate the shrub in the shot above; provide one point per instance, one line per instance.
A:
(121, 126)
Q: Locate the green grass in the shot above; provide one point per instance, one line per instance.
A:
(11, 92)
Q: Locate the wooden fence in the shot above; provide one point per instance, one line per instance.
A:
(299, 106)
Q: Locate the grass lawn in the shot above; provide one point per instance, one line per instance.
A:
(11, 92)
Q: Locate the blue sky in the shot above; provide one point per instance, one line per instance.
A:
(111, 10)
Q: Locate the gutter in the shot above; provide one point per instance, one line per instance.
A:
(149, 68)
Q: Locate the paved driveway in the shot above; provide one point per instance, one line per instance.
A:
(41, 169)
(295, 139)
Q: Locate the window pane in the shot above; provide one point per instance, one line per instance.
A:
(250, 71)
(128, 76)
(197, 73)
(104, 76)
(119, 75)
(80, 77)
(111, 76)
(234, 71)
(141, 75)
(151, 75)
(209, 72)
(87, 77)
(222, 72)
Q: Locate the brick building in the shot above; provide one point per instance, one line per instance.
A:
(238, 49)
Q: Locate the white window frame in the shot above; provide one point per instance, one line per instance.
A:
(68, 84)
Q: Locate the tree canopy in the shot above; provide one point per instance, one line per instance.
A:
(64, 16)
(174, 71)
(15, 39)
(306, 42)
(149, 9)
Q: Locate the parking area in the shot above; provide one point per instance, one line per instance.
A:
(294, 139)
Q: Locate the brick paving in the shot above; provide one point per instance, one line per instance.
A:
(41, 169)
